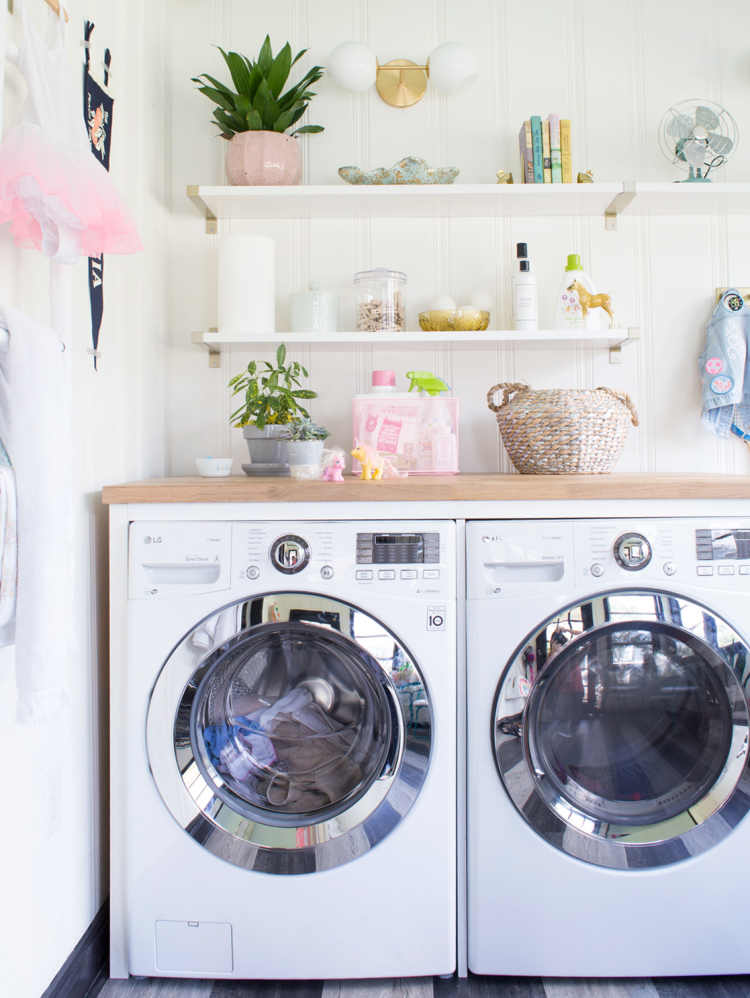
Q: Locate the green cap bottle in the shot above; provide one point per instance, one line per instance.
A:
(574, 262)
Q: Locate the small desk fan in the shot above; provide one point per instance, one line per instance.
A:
(699, 134)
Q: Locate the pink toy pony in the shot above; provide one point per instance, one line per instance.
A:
(333, 466)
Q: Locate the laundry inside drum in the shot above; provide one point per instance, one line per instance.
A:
(292, 724)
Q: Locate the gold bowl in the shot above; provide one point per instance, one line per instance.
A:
(442, 320)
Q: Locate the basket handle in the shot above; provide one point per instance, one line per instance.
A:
(509, 389)
(625, 400)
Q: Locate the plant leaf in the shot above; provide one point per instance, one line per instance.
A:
(281, 355)
(238, 69)
(217, 97)
(308, 130)
(265, 104)
(279, 71)
(214, 83)
(298, 56)
(265, 57)
(254, 121)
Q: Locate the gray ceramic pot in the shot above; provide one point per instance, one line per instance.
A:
(267, 449)
(304, 457)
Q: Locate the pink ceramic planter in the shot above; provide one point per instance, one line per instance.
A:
(262, 159)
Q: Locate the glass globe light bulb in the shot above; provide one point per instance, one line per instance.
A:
(452, 66)
(353, 66)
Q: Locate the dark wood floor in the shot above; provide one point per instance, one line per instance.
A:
(427, 987)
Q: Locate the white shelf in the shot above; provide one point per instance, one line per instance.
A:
(661, 198)
(403, 201)
(469, 200)
(611, 339)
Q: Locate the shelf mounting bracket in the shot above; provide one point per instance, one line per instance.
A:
(615, 352)
(214, 353)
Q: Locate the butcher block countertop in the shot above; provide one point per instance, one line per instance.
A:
(439, 488)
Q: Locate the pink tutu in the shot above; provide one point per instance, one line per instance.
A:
(49, 192)
(55, 194)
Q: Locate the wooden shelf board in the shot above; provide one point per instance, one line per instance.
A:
(442, 488)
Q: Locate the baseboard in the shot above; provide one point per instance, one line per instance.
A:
(87, 964)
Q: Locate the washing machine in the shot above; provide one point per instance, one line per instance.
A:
(608, 788)
(287, 759)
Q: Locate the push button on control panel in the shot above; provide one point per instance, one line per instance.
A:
(431, 573)
(726, 569)
(252, 573)
(363, 575)
(408, 573)
(387, 574)
(597, 570)
(704, 570)
(327, 572)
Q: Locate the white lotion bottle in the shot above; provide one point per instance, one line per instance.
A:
(525, 308)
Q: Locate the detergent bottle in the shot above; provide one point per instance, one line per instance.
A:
(569, 314)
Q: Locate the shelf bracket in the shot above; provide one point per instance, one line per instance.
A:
(617, 205)
(214, 353)
(615, 352)
(212, 223)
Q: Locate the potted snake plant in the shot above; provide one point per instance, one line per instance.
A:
(271, 403)
(256, 116)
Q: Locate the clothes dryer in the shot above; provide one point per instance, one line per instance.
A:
(288, 751)
(608, 783)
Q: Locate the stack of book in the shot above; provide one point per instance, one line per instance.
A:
(545, 150)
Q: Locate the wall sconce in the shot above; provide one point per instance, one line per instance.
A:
(401, 83)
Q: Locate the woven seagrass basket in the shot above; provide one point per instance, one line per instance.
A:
(562, 431)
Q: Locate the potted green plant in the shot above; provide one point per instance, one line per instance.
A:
(255, 116)
(305, 448)
(271, 402)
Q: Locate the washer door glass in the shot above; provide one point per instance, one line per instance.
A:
(630, 745)
(289, 733)
(291, 724)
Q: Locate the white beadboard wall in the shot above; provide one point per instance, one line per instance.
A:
(612, 68)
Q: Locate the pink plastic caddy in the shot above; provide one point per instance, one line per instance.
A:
(418, 433)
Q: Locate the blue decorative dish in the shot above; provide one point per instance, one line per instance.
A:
(410, 170)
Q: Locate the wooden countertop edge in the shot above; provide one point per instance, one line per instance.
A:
(438, 488)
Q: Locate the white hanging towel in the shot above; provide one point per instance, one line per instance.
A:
(8, 550)
(35, 426)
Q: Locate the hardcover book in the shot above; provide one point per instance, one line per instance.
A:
(546, 153)
(527, 153)
(565, 155)
(554, 141)
(536, 140)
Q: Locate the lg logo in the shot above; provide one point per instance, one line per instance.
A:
(148, 539)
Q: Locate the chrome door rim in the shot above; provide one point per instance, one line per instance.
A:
(252, 843)
(569, 828)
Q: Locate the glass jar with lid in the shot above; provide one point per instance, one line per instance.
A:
(380, 300)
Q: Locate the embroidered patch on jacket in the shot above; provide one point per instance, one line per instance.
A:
(722, 384)
(714, 365)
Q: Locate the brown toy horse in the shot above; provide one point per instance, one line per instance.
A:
(592, 301)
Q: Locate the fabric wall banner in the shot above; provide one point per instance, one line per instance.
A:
(97, 113)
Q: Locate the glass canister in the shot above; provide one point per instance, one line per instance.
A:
(313, 311)
(380, 300)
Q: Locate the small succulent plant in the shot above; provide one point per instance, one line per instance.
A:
(305, 429)
(257, 103)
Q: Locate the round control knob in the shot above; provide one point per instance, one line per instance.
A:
(290, 554)
(326, 572)
(632, 551)
(253, 572)
(597, 570)
(669, 568)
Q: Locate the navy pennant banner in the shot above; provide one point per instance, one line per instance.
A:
(97, 113)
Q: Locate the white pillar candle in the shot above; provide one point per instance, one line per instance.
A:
(246, 287)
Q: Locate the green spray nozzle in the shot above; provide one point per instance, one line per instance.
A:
(425, 381)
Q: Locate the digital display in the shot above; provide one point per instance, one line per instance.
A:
(722, 545)
(398, 549)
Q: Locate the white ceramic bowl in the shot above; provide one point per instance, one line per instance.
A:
(214, 467)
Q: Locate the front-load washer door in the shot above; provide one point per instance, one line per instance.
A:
(289, 733)
(620, 729)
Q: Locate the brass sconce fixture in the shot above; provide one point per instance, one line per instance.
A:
(401, 82)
